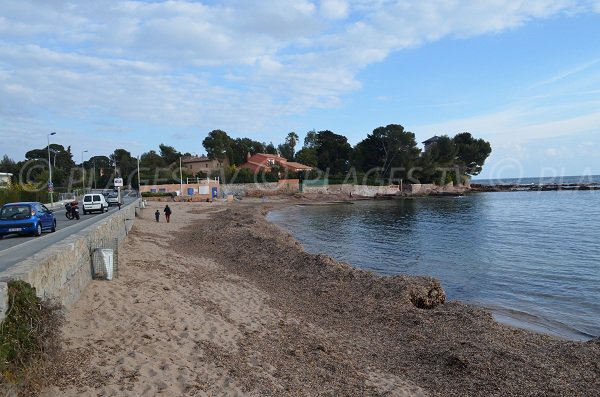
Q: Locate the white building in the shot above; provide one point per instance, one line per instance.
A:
(5, 178)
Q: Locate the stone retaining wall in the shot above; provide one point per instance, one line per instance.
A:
(284, 186)
(62, 271)
(425, 189)
(356, 190)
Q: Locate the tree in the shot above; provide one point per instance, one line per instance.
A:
(472, 153)
(240, 148)
(217, 145)
(60, 158)
(438, 162)
(310, 140)
(270, 148)
(333, 152)
(307, 156)
(287, 149)
(8, 165)
(125, 164)
(152, 160)
(169, 154)
(390, 149)
(102, 171)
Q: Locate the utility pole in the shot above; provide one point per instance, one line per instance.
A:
(180, 178)
(139, 184)
(83, 170)
(50, 185)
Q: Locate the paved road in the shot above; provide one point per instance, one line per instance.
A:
(14, 248)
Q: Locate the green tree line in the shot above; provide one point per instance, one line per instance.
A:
(387, 155)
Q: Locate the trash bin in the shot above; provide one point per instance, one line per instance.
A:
(103, 262)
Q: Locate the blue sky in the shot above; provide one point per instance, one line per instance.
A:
(524, 75)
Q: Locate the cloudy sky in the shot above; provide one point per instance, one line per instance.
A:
(523, 74)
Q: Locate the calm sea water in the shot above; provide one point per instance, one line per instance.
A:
(547, 180)
(531, 257)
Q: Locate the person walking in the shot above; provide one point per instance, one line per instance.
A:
(167, 211)
(157, 215)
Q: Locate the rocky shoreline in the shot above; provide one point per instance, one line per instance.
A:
(221, 302)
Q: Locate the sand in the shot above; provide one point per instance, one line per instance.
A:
(220, 302)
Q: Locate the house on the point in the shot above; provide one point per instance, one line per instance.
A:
(195, 164)
(260, 162)
(430, 142)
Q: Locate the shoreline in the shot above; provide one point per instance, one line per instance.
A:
(220, 301)
(501, 311)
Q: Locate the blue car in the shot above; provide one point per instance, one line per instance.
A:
(26, 218)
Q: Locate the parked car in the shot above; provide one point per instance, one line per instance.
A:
(112, 199)
(94, 202)
(26, 218)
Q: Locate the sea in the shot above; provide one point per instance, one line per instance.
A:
(531, 258)
(544, 180)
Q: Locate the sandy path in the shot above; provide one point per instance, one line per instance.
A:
(180, 324)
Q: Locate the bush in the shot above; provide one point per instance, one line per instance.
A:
(17, 192)
(156, 194)
(28, 336)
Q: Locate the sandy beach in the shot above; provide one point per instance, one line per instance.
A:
(219, 302)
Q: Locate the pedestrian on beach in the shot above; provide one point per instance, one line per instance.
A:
(157, 215)
(167, 211)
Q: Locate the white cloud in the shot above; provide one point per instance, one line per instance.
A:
(234, 62)
(517, 125)
(334, 9)
(563, 75)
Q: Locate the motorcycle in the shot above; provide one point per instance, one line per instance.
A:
(72, 210)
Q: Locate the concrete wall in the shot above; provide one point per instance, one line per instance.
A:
(284, 186)
(62, 271)
(356, 190)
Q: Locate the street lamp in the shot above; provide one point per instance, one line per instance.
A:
(50, 185)
(54, 152)
(83, 170)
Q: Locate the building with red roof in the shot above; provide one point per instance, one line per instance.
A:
(260, 162)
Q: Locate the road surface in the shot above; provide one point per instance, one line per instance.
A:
(15, 248)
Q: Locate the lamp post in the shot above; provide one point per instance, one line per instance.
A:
(83, 170)
(50, 185)
(54, 152)
(180, 179)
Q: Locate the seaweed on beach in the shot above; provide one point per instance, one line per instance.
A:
(401, 325)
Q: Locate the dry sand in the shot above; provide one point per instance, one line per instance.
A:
(219, 302)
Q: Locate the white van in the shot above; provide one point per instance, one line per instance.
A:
(94, 202)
